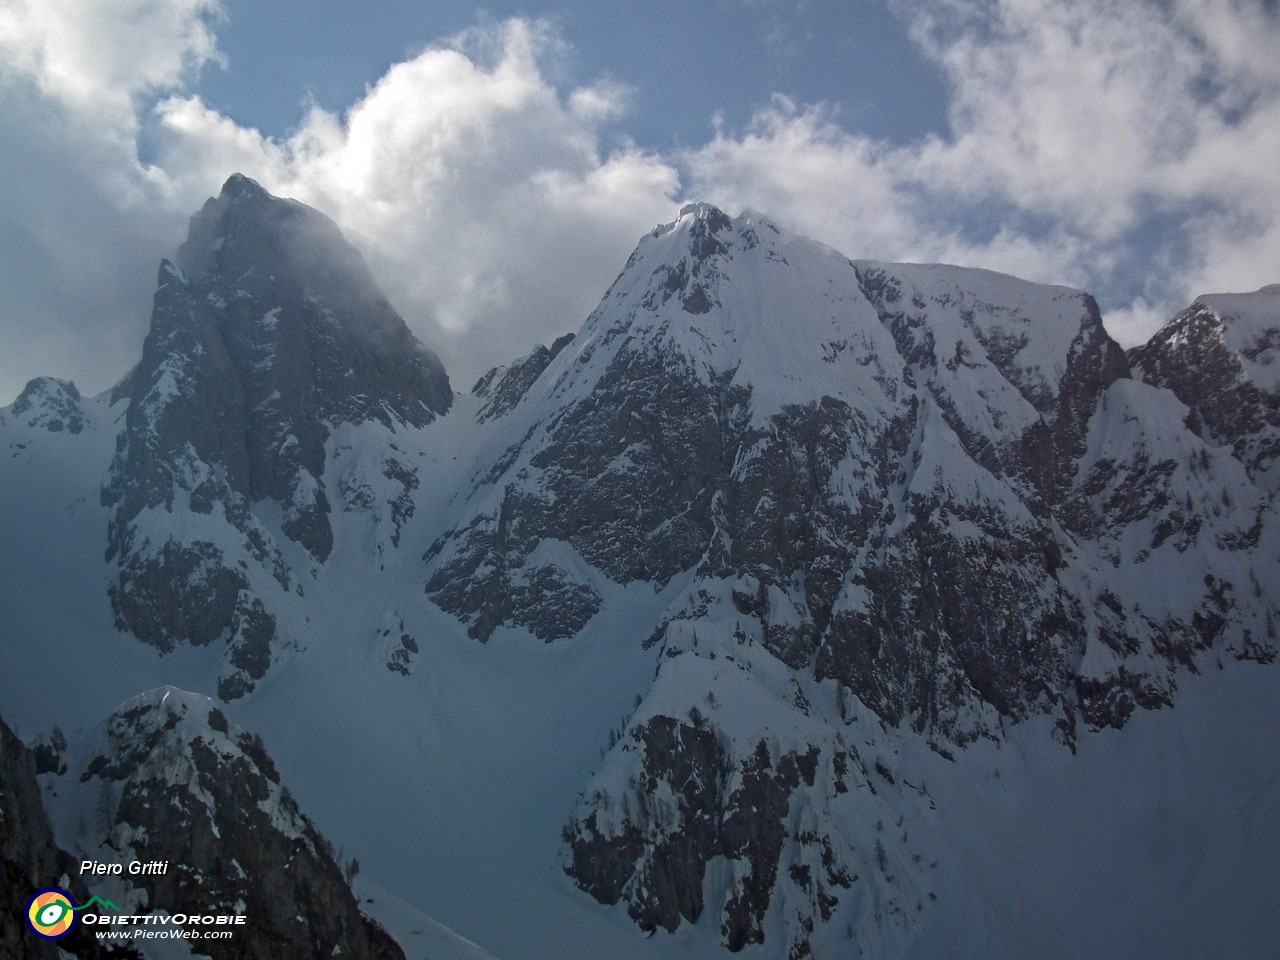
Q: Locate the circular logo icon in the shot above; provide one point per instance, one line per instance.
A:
(50, 913)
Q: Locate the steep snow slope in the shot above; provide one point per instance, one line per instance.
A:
(1153, 841)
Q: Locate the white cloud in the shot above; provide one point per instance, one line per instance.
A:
(490, 202)
(1133, 324)
(1094, 109)
(84, 224)
(798, 164)
(1132, 148)
(858, 194)
(97, 56)
(480, 192)
(1084, 127)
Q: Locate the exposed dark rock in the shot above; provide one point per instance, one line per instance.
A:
(1111, 701)
(402, 648)
(51, 404)
(625, 477)
(185, 786)
(755, 828)
(178, 595)
(267, 331)
(504, 387)
(31, 861)
(660, 867)
(655, 855)
(1193, 356)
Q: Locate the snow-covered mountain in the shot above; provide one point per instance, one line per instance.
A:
(933, 491)
(775, 611)
(268, 334)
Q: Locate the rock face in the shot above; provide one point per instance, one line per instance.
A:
(689, 802)
(933, 490)
(504, 387)
(51, 404)
(267, 332)
(30, 861)
(1221, 357)
(171, 779)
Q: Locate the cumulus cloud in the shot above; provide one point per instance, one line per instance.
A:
(1132, 148)
(490, 203)
(481, 193)
(98, 57)
(83, 223)
(861, 195)
(1129, 147)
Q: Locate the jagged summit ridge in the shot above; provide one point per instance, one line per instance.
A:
(50, 404)
(717, 332)
(770, 333)
(801, 314)
(245, 229)
(1221, 357)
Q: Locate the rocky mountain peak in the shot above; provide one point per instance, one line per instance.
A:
(253, 238)
(1221, 357)
(50, 404)
(267, 333)
(1251, 330)
(704, 219)
(285, 289)
(240, 186)
(701, 210)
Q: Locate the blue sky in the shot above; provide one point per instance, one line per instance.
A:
(497, 165)
(685, 62)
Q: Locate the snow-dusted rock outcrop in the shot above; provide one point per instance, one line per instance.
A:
(1221, 356)
(168, 778)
